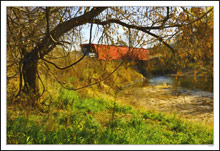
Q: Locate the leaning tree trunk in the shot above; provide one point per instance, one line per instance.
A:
(30, 73)
(30, 60)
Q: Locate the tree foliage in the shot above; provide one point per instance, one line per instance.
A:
(195, 42)
(34, 32)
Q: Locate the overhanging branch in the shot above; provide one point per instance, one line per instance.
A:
(64, 27)
(147, 29)
(144, 29)
(63, 68)
(91, 84)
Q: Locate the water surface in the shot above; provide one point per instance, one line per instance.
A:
(200, 83)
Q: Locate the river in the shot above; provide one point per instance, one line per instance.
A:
(186, 82)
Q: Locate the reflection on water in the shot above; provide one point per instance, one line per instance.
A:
(200, 83)
(161, 80)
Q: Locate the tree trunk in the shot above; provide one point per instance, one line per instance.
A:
(30, 73)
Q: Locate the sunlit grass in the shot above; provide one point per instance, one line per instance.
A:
(74, 120)
(96, 114)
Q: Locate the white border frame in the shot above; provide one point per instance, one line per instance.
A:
(4, 4)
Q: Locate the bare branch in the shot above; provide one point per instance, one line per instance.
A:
(144, 29)
(47, 19)
(42, 84)
(167, 17)
(91, 84)
(201, 17)
(65, 27)
(63, 68)
(97, 21)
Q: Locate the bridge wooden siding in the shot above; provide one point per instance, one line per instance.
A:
(110, 52)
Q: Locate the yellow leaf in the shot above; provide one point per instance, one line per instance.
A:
(195, 58)
(178, 73)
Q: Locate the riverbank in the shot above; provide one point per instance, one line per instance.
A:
(71, 119)
(99, 114)
(192, 105)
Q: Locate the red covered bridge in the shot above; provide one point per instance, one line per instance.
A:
(110, 52)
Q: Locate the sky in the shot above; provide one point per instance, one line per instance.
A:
(96, 36)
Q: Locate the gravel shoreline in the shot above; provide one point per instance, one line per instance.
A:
(193, 105)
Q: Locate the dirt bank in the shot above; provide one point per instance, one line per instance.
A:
(192, 105)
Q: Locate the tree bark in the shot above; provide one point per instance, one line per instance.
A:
(31, 59)
(29, 73)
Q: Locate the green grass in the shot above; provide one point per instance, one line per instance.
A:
(74, 120)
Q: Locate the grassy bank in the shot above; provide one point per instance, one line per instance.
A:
(92, 115)
(71, 119)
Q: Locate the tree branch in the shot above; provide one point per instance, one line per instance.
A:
(129, 47)
(97, 21)
(91, 84)
(63, 68)
(64, 27)
(200, 17)
(144, 29)
(47, 19)
(167, 17)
